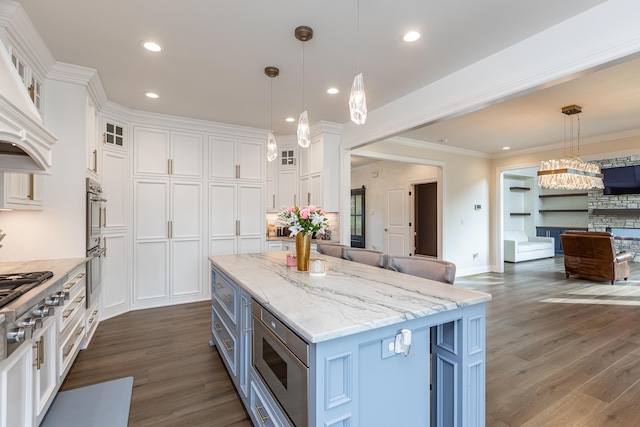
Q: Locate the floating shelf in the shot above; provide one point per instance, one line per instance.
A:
(519, 188)
(542, 196)
(563, 210)
(519, 214)
(618, 212)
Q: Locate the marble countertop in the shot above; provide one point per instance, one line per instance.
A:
(60, 269)
(351, 298)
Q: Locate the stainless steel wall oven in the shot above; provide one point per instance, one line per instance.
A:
(96, 220)
(281, 358)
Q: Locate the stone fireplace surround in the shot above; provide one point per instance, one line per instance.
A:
(617, 211)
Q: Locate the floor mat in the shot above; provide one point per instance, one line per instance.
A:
(100, 405)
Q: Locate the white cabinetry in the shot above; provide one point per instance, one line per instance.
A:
(92, 138)
(282, 180)
(168, 241)
(44, 367)
(287, 194)
(70, 319)
(320, 170)
(21, 191)
(236, 158)
(116, 181)
(162, 153)
(236, 218)
(16, 388)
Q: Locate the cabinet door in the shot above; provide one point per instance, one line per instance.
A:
(44, 369)
(186, 240)
(151, 200)
(287, 188)
(150, 151)
(115, 268)
(316, 157)
(16, 388)
(186, 155)
(251, 157)
(22, 191)
(222, 218)
(250, 211)
(305, 190)
(151, 251)
(316, 190)
(270, 196)
(222, 157)
(91, 137)
(116, 189)
(304, 161)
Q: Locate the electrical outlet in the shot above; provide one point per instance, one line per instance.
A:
(388, 347)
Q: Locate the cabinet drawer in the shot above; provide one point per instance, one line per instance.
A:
(261, 410)
(225, 293)
(75, 307)
(225, 339)
(70, 345)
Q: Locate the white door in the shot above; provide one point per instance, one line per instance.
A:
(251, 223)
(316, 191)
(150, 151)
(251, 157)
(16, 388)
(186, 243)
(287, 188)
(222, 218)
(397, 230)
(152, 240)
(186, 155)
(222, 157)
(114, 168)
(115, 267)
(44, 369)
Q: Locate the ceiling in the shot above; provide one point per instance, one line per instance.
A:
(214, 54)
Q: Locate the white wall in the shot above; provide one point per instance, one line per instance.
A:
(377, 179)
(59, 230)
(466, 182)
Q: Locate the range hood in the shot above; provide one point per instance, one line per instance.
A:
(25, 144)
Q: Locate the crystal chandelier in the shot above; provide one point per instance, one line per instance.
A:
(303, 33)
(272, 145)
(357, 98)
(570, 172)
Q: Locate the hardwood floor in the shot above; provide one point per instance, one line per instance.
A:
(560, 352)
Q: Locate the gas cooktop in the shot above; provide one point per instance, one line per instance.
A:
(15, 284)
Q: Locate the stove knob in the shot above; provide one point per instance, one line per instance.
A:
(19, 335)
(44, 311)
(53, 301)
(63, 295)
(32, 323)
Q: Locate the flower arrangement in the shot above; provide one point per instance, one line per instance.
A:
(306, 220)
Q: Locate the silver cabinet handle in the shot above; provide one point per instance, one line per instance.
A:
(263, 418)
(274, 202)
(238, 171)
(294, 199)
(95, 161)
(104, 217)
(308, 198)
(237, 227)
(104, 254)
(170, 229)
(32, 186)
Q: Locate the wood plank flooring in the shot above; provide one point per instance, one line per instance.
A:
(560, 352)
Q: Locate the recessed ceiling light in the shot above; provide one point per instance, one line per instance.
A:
(332, 91)
(153, 47)
(151, 95)
(411, 36)
(290, 119)
(506, 148)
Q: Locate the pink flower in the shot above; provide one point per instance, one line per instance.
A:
(312, 208)
(323, 212)
(304, 213)
(291, 209)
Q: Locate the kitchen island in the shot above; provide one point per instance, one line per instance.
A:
(358, 374)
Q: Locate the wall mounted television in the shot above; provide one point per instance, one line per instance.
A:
(621, 180)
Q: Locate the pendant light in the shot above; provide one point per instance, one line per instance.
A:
(272, 145)
(570, 172)
(303, 33)
(357, 98)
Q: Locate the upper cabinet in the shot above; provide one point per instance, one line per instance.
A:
(31, 80)
(91, 120)
(320, 171)
(163, 153)
(236, 158)
(21, 191)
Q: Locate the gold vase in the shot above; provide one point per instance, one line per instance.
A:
(303, 248)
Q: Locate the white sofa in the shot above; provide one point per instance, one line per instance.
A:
(520, 247)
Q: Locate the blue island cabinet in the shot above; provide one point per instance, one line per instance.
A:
(357, 379)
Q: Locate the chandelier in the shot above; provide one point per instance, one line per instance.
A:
(570, 172)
